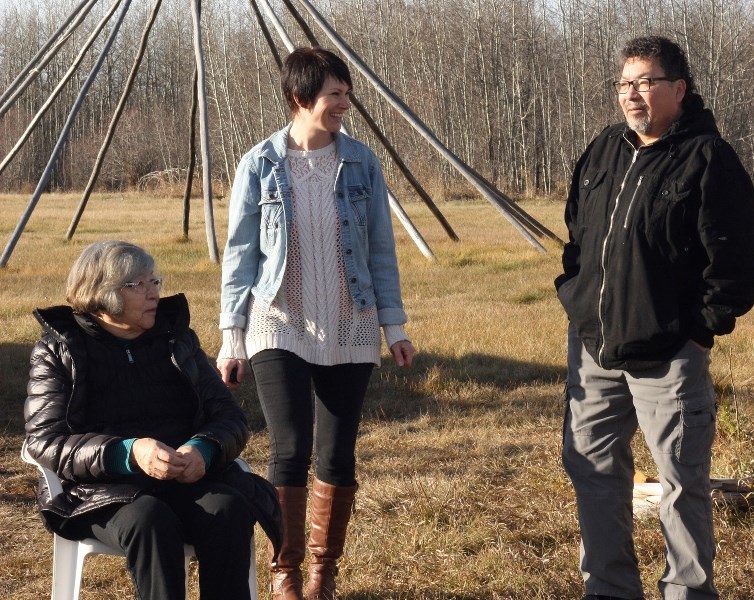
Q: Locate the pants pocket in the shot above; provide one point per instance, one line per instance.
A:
(697, 431)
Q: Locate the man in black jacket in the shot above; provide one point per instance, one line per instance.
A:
(660, 259)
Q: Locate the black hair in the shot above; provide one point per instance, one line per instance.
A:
(304, 73)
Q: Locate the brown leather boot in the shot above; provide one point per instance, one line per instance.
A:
(330, 511)
(287, 580)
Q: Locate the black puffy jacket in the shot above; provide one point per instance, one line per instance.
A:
(661, 243)
(59, 437)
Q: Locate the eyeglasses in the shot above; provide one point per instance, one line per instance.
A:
(642, 84)
(142, 285)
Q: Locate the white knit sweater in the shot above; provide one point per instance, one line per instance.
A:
(313, 314)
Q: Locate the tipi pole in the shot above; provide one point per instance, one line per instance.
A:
(405, 220)
(267, 35)
(414, 121)
(532, 223)
(381, 136)
(114, 121)
(209, 219)
(16, 87)
(192, 156)
(44, 180)
(59, 87)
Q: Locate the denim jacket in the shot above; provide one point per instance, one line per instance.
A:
(259, 231)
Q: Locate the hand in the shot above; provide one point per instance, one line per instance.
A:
(226, 366)
(403, 353)
(195, 466)
(157, 459)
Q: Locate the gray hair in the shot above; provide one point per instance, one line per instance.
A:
(97, 276)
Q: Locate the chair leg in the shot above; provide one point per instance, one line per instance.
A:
(186, 560)
(253, 571)
(67, 568)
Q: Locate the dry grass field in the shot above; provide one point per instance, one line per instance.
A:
(462, 492)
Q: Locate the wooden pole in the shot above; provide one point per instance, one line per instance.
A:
(267, 35)
(209, 219)
(59, 87)
(402, 166)
(192, 157)
(404, 219)
(417, 123)
(44, 180)
(16, 88)
(114, 121)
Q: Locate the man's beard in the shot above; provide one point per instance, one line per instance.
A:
(640, 124)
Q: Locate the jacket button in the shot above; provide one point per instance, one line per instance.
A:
(345, 221)
(353, 280)
(363, 302)
(586, 182)
(665, 192)
(340, 194)
(348, 251)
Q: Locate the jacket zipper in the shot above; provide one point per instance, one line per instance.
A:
(631, 204)
(130, 356)
(603, 259)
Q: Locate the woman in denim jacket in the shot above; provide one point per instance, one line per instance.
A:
(309, 277)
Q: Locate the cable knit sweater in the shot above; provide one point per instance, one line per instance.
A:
(313, 315)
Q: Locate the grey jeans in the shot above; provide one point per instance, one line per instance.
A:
(675, 406)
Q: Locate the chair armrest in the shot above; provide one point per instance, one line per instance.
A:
(51, 478)
(243, 464)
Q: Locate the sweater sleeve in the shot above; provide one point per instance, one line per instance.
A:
(393, 334)
(233, 344)
(118, 457)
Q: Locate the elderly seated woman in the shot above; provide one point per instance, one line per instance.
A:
(125, 407)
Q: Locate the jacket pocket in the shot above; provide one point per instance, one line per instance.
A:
(271, 206)
(591, 203)
(357, 198)
(672, 219)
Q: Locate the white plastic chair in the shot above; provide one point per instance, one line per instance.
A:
(68, 556)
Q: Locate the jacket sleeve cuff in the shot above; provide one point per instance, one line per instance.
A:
(702, 336)
(391, 316)
(229, 320)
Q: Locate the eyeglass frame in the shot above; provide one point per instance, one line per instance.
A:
(155, 282)
(633, 83)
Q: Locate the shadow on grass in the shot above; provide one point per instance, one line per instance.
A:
(14, 373)
(473, 382)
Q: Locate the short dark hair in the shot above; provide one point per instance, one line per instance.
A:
(304, 73)
(671, 57)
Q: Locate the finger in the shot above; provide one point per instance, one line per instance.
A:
(395, 350)
(409, 355)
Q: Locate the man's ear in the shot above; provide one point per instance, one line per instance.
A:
(681, 90)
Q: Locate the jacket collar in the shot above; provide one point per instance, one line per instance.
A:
(64, 324)
(275, 148)
(696, 121)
